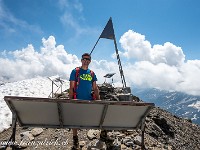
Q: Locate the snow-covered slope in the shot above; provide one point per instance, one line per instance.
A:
(180, 104)
(36, 87)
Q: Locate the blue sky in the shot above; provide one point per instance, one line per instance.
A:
(158, 40)
(78, 24)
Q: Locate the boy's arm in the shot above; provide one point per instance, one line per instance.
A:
(71, 89)
(96, 90)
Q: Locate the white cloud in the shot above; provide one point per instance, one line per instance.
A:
(163, 72)
(159, 66)
(190, 77)
(136, 46)
(103, 67)
(168, 53)
(28, 63)
(149, 75)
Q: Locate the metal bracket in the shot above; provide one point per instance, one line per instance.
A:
(12, 137)
(143, 130)
(103, 115)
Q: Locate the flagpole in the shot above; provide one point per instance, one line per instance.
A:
(108, 33)
(94, 46)
(119, 63)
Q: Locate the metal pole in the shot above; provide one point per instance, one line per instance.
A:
(118, 58)
(143, 130)
(94, 46)
(52, 89)
(119, 63)
(12, 137)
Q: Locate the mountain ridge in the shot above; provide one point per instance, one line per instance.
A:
(178, 103)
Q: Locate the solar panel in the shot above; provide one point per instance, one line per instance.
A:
(47, 112)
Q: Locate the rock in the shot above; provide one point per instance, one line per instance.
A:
(101, 145)
(125, 97)
(127, 90)
(2, 147)
(162, 123)
(108, 92)
(128, 141)
(36, 131)
(117, 143)
(82, 143)
(130, 131)
(96, 145)
(157, 128)
(123, 147)
(169, 147)
(111, 136)
(121, 135)
(138, 140)
(93, 134)
(26, 138)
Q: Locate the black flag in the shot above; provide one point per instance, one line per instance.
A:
(108, 31)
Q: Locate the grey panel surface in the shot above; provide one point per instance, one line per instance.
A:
(31, 112)
(47, 112)
(82, 114)
(123, 115)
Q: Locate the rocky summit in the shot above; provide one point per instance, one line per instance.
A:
(163, 131)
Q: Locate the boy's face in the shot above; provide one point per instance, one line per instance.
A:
(86, 60)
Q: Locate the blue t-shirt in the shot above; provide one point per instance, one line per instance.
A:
(84, 87)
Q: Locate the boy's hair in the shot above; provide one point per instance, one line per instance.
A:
(86, 54)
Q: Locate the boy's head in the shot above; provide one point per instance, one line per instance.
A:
(86, 56)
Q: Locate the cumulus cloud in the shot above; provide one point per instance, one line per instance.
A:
(190, 72)
(163, 66)
(51, 59)
(28, 63)
(149, 75)
(136, 46)
(159, 66)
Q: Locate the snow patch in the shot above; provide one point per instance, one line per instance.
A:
(195, 105)
(36, 87)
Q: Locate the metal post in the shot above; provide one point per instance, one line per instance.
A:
(94, 46)
(60, 114)
(52, 89)
(103, 115)
(143, 130)
(119, 63)
(12, 137)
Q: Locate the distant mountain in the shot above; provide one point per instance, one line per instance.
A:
(180, 104)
